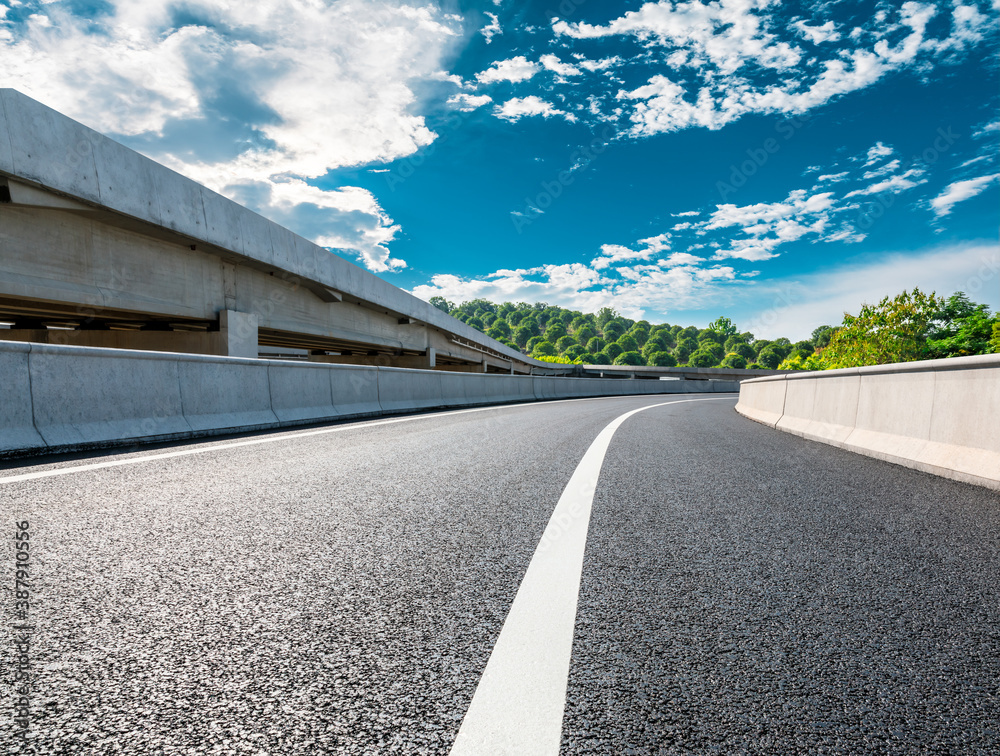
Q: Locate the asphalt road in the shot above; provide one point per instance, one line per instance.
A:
(743, 590)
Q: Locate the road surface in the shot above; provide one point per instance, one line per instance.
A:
(343, 590)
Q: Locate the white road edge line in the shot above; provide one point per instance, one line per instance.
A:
(273, 438)
(517, 709)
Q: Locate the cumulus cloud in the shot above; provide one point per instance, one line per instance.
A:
(633, 291)
(613, 253)
(552, 63)
(518, 107)
(817, 34)
(515, 69)
(960, 191)
(240, 96)
(469, 102)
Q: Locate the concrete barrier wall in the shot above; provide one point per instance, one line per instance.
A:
(939, 416)
(60, 398)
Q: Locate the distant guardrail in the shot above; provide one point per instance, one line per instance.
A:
(61, 398)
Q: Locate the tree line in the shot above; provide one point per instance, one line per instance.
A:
(910, 326)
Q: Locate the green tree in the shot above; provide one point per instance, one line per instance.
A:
(684, 348)
(613, 349)
(713, 348)
(545, 348)
(707, 334)
(612, 330)
(799, 362)
(960, 328)
(821, 335)
(653, 344)
(564, 343)
(604, 316)
(733, 360)
(723, 326)
(732, 342)
(574, 350)
(601, 358)
(629, 358)
(596, 345)
(745, 351)
(521, 336)
(555, 331)
(475, 323)
(532, 343)
(500, 329)
(703, 358)
(628, 343)
(894, 330)
(995, 341)
(639, 332)
(584, 334)
(769, 358)
(661, 359)
(442, 304)
(782, 346)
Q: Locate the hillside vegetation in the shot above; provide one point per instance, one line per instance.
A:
(910, 326)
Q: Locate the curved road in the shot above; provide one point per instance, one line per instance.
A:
(343, 589)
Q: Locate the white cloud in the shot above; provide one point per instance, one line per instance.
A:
(599, 65)
(894, 184)
(681, 258)
(960, 191)
(613, 253)
(552, 63)
(272, 89)
(518, 107)
(515, 69)
(468, 102)
(634, 292)
(877, 152)
(725, 59)
(817, 34)
(890, 167)
(726, 35)
(492, 28)
(832, 177)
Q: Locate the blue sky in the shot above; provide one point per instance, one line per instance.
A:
(776, 163)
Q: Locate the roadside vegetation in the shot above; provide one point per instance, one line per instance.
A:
(910, 326)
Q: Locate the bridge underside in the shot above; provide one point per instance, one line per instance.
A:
(74, 274)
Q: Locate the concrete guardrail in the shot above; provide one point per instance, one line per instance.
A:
(939, 416)
(63, 398)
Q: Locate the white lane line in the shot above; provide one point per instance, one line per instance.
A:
(518, 706)
(273, 438)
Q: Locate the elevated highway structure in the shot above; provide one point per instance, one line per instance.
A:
(103, 247)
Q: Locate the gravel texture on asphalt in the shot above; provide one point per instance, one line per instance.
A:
(743, 590)
(336, 593)
(748, 592)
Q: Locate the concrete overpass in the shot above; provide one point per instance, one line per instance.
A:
(102, 247)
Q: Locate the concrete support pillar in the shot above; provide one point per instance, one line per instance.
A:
(239, 333)
(431, 357)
